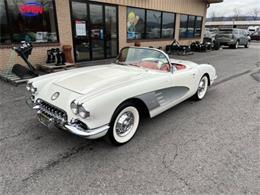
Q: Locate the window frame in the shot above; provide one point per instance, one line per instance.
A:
(199, 36)
(146, 22)
(145, 25)
(10, 30)
(174, 25)
(145, 17)
(194, 28)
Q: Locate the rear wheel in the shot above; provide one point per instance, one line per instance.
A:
(246, 45)
(124, 124)
(202, 88)
(216, 45)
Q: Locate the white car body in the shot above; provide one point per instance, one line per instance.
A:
(101, 89)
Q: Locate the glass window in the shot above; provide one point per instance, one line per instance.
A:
(97, 31)
(135, 23)
(198, 26)
(32, 21)
(183, 26)
(79, 11)
(111, 31)
(80, 24)
(168, 23)
(153, 25)
(191, 27)
(4, 34)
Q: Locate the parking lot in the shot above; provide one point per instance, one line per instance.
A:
(206, 147)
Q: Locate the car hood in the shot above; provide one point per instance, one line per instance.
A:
(97, 78)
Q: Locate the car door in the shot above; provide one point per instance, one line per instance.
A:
(182, 84)
(242, 37)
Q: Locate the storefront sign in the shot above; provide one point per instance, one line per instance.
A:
(81, 28)
(31, 9)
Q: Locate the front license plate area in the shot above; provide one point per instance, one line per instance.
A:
(45, 120)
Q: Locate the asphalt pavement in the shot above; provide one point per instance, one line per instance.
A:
(206, 147)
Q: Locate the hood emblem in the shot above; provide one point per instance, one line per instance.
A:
(55, 96)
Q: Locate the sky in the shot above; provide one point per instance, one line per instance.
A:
(226, 8)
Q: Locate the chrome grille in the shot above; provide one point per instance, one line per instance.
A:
(59, 115)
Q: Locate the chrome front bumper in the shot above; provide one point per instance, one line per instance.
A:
(49, 120)
(89, 133)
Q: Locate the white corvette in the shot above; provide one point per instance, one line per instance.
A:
(110, 99)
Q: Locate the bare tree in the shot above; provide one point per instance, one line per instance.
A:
(254, 13)
(237, 13)
(213, 16)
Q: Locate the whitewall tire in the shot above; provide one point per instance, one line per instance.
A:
(202, 88)
(124, 124)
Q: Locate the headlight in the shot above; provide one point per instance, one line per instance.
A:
(33, 89)
(83, 113)
(74, 107)
(29, 86)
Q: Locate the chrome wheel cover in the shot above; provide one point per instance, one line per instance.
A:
(125, 123)
(203, 86)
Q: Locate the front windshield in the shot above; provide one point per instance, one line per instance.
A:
(144, 58)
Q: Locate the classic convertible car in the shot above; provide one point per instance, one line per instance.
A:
(110, 99)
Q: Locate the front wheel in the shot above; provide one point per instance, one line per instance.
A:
(202, 88)
(124, 124)
(236, 45)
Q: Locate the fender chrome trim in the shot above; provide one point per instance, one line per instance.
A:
(89, 133)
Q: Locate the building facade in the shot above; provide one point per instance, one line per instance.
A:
(97, 29)
(231, 24)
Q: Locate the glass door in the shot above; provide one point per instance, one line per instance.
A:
(97, 31)
(80, 26)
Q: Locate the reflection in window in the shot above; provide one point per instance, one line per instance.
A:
(38, 25)
(168, 23)
(153, 25)
(191, 26)
(183, 26)
(80, 26)
(4, 35)
(111, 31)
(135, 23)
(79, 11)
(198, 26)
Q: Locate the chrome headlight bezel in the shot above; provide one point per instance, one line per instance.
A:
(31, 88)
(83, 113)
(74, 108)
(78, 109)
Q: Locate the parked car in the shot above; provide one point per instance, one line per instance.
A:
(256, 36)
(232, 37)
(110, 99)
(210, 38)
(253, 29)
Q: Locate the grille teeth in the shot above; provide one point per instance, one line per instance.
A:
(59, 115)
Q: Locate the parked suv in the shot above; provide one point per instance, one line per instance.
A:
(232, 37)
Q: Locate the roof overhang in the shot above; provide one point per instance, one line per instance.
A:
(213, 1)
